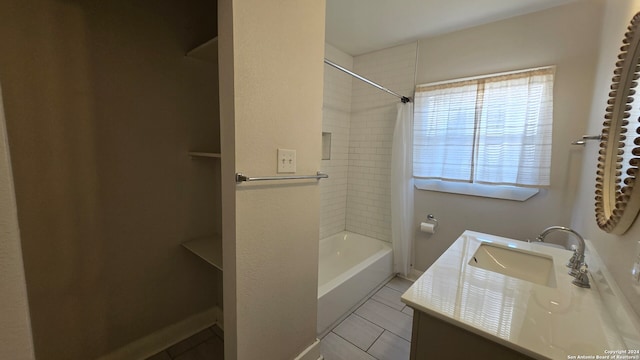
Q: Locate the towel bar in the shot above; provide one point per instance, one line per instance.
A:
(586, 138)
(242, 178)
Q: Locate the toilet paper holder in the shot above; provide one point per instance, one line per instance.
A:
(430, 225)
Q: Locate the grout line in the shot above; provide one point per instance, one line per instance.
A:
(392, 308)
(403, 304)
(369, 321)
(357, 347)
(365, 319)
(398, 291)
(398, 335)
(383, 328)
(374, 341)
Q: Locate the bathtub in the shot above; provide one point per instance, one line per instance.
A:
(351, 266)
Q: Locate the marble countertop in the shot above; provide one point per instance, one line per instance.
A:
(537, 320)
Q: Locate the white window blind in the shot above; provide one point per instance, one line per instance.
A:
(491, 130)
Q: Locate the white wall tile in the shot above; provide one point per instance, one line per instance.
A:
(373, 115)
(361, 118)
(336, 116)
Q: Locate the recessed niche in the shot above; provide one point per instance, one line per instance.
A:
(326, 146)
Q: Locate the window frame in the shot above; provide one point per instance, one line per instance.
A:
(496, 191)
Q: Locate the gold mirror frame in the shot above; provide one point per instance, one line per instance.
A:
(617, 205)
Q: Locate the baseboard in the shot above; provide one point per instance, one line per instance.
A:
(311, 353)
(165, 337)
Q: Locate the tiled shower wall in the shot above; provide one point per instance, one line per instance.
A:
(361, 118)
(336, 113)
(373, 116)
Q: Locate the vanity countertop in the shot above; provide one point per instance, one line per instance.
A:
(537, 320)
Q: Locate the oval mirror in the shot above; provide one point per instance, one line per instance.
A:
(617, 205)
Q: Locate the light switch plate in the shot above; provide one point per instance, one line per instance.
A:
(286, 161)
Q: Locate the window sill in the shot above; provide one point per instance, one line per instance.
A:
(482, 190)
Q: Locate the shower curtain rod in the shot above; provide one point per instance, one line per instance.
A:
(404, 99)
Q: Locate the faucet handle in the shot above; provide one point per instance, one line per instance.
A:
(575, 264)
(582, 278)
(574, 258)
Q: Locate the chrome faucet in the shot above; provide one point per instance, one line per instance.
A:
(576, 262)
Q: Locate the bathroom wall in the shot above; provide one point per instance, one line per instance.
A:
(101, 106)
(357, 197)
(271, 97)
(336, 118)
(373, 116)
(15, 333)
(617, 252)
(564, 36)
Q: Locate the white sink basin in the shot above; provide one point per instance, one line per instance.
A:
(520, 295)
(525, 265)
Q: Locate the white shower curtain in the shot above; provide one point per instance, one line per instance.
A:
(402, 190)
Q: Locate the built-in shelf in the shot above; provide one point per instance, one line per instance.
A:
(207, 248)
(204, 154)
(206, 52)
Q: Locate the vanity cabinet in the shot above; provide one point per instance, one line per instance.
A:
(433, 338)
(466, 309)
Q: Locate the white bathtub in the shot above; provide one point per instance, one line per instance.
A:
(350, 267)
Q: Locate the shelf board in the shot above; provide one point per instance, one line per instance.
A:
(206, 52)
(204, 154)
(207, 248)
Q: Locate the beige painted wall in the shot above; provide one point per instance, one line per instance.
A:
(15, 333)
(226, 72)
(617, 252)
(565, 36)
(277, 70)
(101, 107)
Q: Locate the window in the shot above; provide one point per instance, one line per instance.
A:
(492, 130)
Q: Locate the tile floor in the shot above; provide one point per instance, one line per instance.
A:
(379, 329)
(205, 345)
